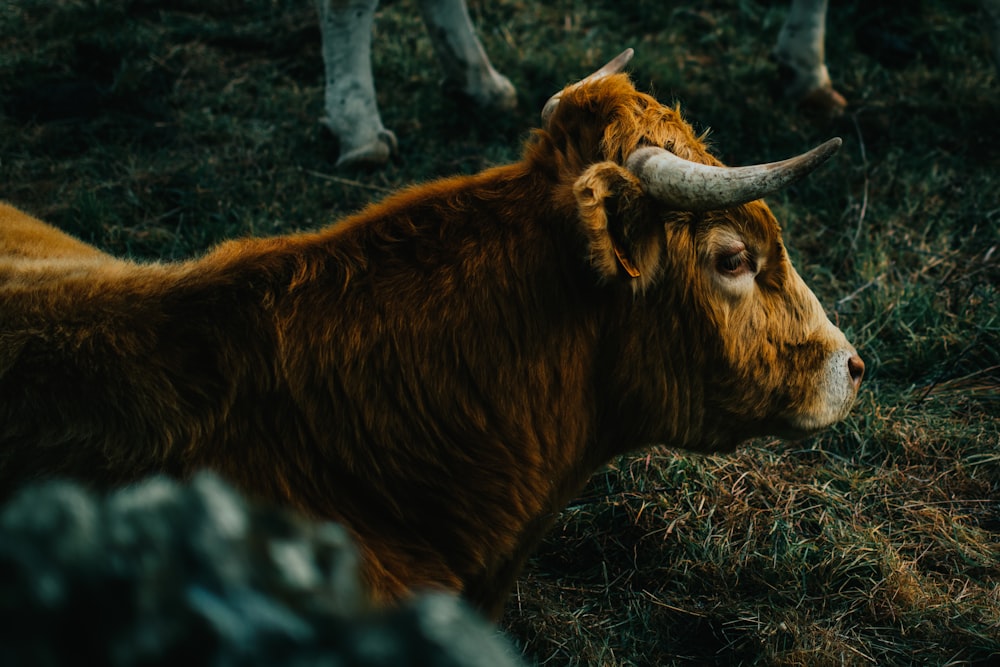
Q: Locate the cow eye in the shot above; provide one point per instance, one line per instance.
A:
(735, 262)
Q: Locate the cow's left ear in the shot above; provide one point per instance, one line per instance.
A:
(620, 225)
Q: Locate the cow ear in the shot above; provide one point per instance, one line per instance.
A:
(620, 225)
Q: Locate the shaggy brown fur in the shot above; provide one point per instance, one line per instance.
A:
(440, 372)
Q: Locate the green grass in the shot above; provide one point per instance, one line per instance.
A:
(876, 543)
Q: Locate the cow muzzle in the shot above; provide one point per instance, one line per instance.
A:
(835, 392)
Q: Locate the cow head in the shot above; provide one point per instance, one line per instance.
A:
(720, 339)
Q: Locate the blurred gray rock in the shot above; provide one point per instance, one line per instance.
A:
(166, 573)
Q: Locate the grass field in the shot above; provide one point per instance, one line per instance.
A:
(155, 129)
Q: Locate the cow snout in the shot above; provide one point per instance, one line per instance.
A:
(856, 369)
(833, 392)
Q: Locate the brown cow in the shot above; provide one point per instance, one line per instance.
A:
(443, 371)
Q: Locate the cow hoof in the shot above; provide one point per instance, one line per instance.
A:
(371, 154)
(823, 102)
(810, 88)
(494, 92)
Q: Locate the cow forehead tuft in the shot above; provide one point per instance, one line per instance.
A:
(631, 119)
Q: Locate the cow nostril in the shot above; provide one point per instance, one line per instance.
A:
(856, 367)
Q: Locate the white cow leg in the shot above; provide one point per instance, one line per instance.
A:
(801, 51)
(350, 106)
(464, 60)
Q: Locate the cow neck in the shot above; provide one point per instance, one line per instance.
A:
(652, 391)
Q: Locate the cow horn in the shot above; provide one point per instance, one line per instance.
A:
(692, 186)
(614, 66)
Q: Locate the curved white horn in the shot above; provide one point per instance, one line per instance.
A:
(617, 64)
(691, 186)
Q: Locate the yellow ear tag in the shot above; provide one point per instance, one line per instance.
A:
(626, 264)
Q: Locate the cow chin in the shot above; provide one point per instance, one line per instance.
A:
(832, 399)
